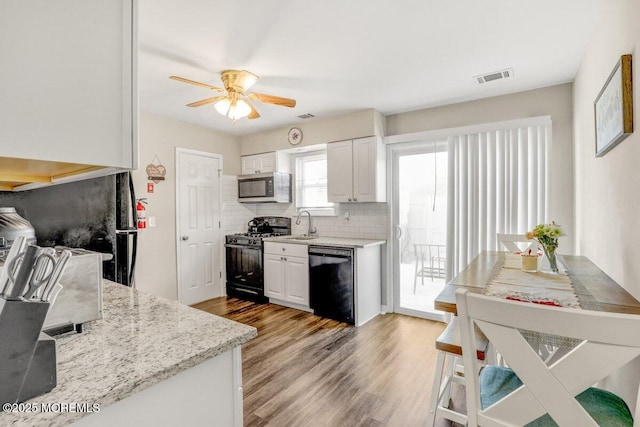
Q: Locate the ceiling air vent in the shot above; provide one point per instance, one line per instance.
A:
(496, 75)
(306, 116)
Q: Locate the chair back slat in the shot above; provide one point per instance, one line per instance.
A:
(612, 328)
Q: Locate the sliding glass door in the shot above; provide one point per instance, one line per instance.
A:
(419, 181)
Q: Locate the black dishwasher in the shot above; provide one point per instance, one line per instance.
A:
(331, 283)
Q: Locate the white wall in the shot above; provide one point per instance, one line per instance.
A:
(607, 196)
(316, 131)
(555, 101)
(608, 235)
(156, 268)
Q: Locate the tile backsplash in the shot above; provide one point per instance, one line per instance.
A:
(366, 220)
(235, 216)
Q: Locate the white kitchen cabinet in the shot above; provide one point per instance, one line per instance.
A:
(368, 283)
(274, 161)
(274, 276)
(340, 171)
(356, 171)
(68, 83)
(297, 279)
(212, 387)
(286, 274)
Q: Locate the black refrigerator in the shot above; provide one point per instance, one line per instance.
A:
(96, 214)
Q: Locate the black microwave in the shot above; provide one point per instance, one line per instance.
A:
(271, 187)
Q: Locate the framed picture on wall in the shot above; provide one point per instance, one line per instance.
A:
(614, 108)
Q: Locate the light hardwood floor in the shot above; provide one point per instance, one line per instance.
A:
(303, 370)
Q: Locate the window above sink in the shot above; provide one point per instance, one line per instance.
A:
(311, 184)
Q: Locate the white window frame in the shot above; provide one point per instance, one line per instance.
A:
(317, 211)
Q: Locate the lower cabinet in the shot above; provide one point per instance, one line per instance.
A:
(286, 273)
(286, 278)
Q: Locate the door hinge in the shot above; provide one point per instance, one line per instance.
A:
(219, 224)
(219, 173)
(220, 274)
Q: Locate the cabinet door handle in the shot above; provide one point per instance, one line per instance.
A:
(349, 199)
(284, 249)
(185, 238)
(355, 200)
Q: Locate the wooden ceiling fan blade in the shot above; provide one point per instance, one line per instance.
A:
(271, 99)
(244, 81)
(254, 113)
(193, 82)
(205, 101)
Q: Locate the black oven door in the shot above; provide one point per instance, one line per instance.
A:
(244, 271)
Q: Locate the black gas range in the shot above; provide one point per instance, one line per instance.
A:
(249, 239)
(245, 256)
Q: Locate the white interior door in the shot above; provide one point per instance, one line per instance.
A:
(198, 225)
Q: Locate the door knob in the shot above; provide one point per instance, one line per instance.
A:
(185, 238)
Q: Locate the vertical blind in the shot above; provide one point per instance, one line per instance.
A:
(497, 184)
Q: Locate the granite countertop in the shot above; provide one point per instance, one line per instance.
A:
(341, 242)
(140, 340)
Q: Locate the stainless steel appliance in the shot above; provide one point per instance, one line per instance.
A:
(244, 256)
(80, 300)
(331, 283)
(271, 187)
(96, 214)
(13, 225)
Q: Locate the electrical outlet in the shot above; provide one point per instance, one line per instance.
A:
(152, 221)
(347, 216)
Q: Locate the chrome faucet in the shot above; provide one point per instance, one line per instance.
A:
(312, 229)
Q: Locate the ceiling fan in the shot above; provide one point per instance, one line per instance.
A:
(236, 104)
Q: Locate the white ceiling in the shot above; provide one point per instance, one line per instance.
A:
(339, 56)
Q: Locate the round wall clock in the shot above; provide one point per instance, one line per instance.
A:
(294, 136)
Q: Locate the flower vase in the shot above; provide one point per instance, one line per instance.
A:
(550, 255)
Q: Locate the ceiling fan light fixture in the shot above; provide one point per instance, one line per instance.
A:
(241, 110)
(234, 109)
(235, 103)
(223, 106)
(246, 80)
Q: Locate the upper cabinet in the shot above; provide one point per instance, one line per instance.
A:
(356, 170)
(274, 161)
(68, 83)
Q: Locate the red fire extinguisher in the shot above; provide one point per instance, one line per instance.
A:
(141, 213)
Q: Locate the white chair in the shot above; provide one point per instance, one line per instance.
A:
(434, 256)
(530, 389)
(449, 371)
(510, 242)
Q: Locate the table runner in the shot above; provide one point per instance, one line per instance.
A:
(511, 282)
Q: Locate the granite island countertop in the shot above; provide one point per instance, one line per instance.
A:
(341, 242)
(140, 341)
